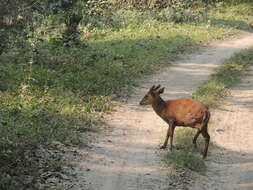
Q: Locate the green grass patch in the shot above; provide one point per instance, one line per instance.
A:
(225, 76)
(235, 16)
(183, 140)
(184, 155)
(185, 160)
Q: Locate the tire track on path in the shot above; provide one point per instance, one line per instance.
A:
(230, 165)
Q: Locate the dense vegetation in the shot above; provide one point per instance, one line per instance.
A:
(63, 61)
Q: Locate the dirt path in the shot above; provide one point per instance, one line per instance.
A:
(125, 158)
(230, 165)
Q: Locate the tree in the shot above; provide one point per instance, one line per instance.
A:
(72, 12)
(13, 16)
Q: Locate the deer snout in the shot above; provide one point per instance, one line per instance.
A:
(141, 103)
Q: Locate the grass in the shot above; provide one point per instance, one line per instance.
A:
(211, 93)
(185, 156)
(237, 16)
(185, 160)
(53, 93)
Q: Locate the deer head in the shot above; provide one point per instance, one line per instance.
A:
(151, 95)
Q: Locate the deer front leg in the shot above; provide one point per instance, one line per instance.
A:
(170, 133)
(166, 139)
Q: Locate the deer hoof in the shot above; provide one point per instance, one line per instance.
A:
(162, 147)
(204, 155)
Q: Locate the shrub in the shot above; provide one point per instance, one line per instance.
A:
(180, 15)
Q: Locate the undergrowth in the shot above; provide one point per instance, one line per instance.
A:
(185, 160)
(184, 155)
(50, 91)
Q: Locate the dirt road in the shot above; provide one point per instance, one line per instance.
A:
(231, 162)
(125, 158)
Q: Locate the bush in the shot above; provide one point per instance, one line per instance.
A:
(157, 3)
(180, 15)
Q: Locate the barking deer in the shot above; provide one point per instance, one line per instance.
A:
(179, 112)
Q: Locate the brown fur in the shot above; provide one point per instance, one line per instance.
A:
(179, 112)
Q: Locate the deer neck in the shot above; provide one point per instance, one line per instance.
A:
(159, 105)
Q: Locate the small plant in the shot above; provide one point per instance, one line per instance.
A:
(181, 15)
(184, 137)
(185, 160)
(185, 156)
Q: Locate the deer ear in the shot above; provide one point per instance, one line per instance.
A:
(152, 88)
(161, 91)
(152, 93)
(157, 87)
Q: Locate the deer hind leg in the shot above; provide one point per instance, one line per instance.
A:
(194, 141)
(207, 140)
(172, 128)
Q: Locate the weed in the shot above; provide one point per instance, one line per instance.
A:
(185, 160)
(185, 156)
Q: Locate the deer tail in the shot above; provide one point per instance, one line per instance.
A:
(206, 117)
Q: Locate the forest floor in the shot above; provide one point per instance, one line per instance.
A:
(127, 157)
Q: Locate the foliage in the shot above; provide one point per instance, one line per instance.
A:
(159, 3)
(237, 16)
(13, 15)
(184, 155)
(27, 125)
(53, 91)
(181, 15)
